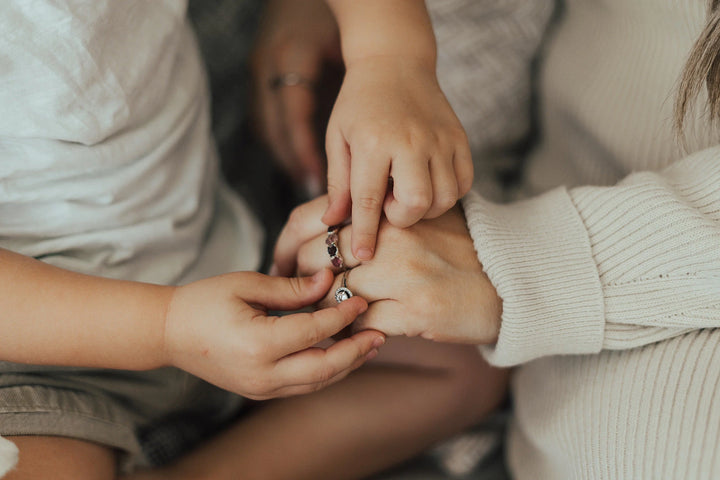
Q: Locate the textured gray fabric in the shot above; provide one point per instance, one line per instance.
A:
(486, 52)
(150, 417)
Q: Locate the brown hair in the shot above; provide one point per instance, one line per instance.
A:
(702, 67)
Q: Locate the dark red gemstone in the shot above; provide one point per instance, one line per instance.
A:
(332, 250)
(336, 262)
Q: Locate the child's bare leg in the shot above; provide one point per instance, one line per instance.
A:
(414, 394)
(61, 458)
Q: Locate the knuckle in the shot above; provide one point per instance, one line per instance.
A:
(421, 140)
(334, 190)
(370, 141)
(464, 185)
(458, 135)
(445, 200)
(357, 349)
(324, 374)
(313, 335)
(296, 286)
(315, 387)
(295, 219)
(368, 203)
(416, 200)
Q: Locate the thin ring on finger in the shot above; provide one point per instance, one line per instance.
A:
(363, 283)
(289, 79)
(343, 292)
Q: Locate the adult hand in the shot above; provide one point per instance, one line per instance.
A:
(391, 119)
(218, 329)
(303, 225)
(424, 280)
(297, 37)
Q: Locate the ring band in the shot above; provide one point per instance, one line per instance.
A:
(343, 292)
(290, 79)
(332, 246)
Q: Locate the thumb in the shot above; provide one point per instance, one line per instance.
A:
(286, 293)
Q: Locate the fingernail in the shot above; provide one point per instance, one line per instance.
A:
(364, 253)
(378, 342)
(312, 187)
(274, 270)
(371, 354)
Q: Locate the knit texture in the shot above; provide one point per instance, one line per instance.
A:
(610, 279)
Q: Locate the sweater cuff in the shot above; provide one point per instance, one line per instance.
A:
(538, 256)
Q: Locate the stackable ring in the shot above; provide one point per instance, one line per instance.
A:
(332, 246)
(343, 292)
(290, 79)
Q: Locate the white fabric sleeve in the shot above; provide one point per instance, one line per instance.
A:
(593, 268)
(8, 456)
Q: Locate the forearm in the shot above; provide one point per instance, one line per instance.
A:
(613, 267)
(385, 27)
(54, 316)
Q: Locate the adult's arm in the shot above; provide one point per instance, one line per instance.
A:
(590, 268)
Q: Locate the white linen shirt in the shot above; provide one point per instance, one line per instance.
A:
(107, 165)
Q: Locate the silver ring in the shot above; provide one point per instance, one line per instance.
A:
(333, 237)
(290, 79)
(343, 292)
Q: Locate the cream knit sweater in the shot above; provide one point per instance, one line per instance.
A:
(610, 271)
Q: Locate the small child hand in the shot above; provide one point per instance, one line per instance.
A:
(391, 119)
(219, 330)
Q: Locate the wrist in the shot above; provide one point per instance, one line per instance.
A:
(163, 339)
(397, 62)
(399, 28)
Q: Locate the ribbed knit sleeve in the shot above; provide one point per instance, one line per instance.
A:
(595, 268)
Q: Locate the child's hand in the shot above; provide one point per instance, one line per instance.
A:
(219, 330)
(392, 120)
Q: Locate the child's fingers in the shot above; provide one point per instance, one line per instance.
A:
(338, 178)
(315, 368)
(412, 191)
(463, 164)
(293, 390)
(283, 293)
(369, 177)
(444, 186)
(303, 225)
(298, 331)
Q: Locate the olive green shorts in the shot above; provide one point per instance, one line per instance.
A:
(149, 417)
